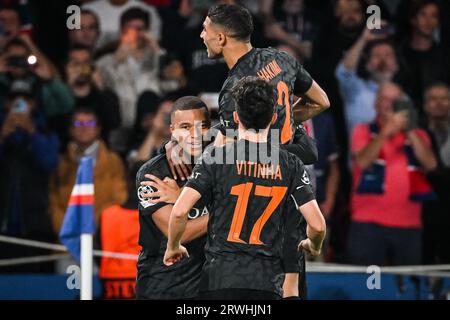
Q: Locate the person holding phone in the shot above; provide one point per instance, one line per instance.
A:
(130, 70)
(28, 153)
(390, 158)
(376, 53)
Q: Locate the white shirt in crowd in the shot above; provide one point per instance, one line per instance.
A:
(109, 17)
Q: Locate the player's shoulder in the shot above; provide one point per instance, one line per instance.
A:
(285, 57)
(157, 166)
(290, 159)
(211, 152)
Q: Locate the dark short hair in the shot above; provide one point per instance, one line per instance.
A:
(235, 19)
(375, 43)
(189, 103)
(16, 42)
(134, 14)
(256, 102)
(92, 13)
(87, 110)
(417, 6)
(437, 84)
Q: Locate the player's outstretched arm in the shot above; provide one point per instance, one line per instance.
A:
(315, 101)
(316, 228)
(177, 225)
(194, 228)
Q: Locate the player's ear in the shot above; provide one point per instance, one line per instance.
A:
(235, 117)
(171, 128)
(222, 39)
(274, 118)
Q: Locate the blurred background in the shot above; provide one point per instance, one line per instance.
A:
(106, 90)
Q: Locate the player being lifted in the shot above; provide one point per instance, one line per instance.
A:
(247, 197)
(189, 122)
(226, 33)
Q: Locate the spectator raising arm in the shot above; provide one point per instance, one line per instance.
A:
(395, 123)
(422, 151)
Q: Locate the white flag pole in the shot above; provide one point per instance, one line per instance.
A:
(86, 266)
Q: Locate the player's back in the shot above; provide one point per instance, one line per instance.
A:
(247, 193)
(281, 70)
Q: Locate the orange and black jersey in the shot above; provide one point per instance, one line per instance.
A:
(248, 195)
(155, 280)
(280, 69)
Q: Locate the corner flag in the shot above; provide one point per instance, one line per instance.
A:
(79, 217)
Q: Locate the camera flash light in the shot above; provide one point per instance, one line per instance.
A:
(32, 59)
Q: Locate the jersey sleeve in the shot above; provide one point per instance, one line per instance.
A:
(227, 105)
(201, 178)
(304, 147)
(145, 206)
(301, 189)
(303, 79)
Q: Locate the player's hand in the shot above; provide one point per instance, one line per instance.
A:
(175, 157)
(307, 246)
(167, 190)
(174, 256)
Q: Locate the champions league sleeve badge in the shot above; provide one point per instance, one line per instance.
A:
(145, 191)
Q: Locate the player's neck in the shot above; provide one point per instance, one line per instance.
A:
(235, 51)
(253, 136)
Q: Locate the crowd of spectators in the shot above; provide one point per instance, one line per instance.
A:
(106, 90)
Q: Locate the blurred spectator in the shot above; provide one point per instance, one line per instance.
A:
(89, 32)
(325, 175)
(109, 13)
(436, 214)
(132, 69)
(158, 126)
(147, 106)
(295, 25)
(86, 85)
(119, 232)
(109, 178)
(172, 76)
(358, 92)
(181, 34)
(348, 22)
(28, 154)
(9, 25)
(389, 158)
(23, 60)
(14, 19)
(425, 57)
(327, 166)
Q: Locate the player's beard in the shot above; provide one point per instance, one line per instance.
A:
(213, 55)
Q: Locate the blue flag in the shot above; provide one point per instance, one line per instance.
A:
(79, 217)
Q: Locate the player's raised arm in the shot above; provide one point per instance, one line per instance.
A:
(177, 225)
(312, 102)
